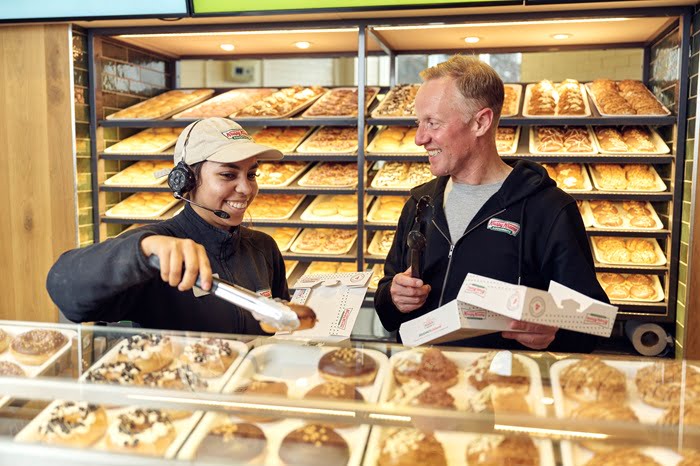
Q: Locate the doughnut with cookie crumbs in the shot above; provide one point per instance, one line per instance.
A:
(148, 352)
(74, 424)
(210, 357)
(410, 446)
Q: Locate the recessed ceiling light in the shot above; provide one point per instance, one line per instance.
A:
(227, 47)
(560, 36)
(472, 39)
(302, 44)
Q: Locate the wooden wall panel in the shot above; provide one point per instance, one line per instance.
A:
(37, 191)
(692, 306)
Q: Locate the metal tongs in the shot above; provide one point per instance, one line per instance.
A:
(416, 237)
(266, 310)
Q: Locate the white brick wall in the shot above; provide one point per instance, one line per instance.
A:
(582, 65)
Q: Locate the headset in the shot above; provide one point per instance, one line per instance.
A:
(182, 180)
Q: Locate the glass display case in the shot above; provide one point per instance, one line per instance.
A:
(76, 394)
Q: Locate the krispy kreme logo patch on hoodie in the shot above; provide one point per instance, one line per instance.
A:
(236, 134)
(503, 226)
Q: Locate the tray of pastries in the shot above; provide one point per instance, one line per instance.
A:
(378, 274)
(571, 177)
(496, 382)
(283, 103)
(278, 206)
(143, 205)
(285, 140)
(147, 142)
(324, 241)
(630, 177)
(546, 99)
(399, 102)
(511, 99)
(325, 267)
(615, 250)
(283, 236)
(507, 138)
(395, 140)
(32, 351)
(641, 391)
(276, 370)
(164, 362)
(331, 140)
(381, 243)
(164, 105)
(340, 102)
(629, 140)
(632, 287)
(224, 104)
(575, 140)
(279, 174)
(584, 209)
(625, 215)
(627, 97)
(333, 208)
(289, 267)
(386, 209)
(140, 174)
(331, 175)
(401, 175)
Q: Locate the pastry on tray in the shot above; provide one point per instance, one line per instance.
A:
(590, 379)
(273, 206)
(162, 104)
(283, 139)
(282, 103)
(341, 102)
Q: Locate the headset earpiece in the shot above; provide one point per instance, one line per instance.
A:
(182, 179)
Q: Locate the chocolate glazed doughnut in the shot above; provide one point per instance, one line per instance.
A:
(238, 442)
(36, 346)
(347, 365)
(314, 445)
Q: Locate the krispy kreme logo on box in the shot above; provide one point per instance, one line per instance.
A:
(597, 319)
(474, 314)
(236, 134)
(503, 226)
(473, 288)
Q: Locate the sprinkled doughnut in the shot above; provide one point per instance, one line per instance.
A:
(36, 346)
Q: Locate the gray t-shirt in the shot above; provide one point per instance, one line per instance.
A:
(463, 201)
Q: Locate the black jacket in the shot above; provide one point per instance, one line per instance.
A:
(550, 244)
(112, 280)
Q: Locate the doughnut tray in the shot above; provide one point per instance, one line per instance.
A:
(295, 365)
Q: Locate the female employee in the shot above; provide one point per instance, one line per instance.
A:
(215, 168)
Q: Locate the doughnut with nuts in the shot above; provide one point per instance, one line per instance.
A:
(36, 346)
(4, 340)
(239, 442)
(74, 424)
(11, 369)
(148, 352)
(411, 446)
(314, 445)
(349, 366)
(145, 431)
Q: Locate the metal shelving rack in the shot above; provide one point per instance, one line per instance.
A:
(669, 236)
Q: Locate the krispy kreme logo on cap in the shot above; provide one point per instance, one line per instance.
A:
(503, 226)
(236, 134)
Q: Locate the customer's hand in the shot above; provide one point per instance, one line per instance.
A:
(533, 336)
(408, 294)
(176, 253)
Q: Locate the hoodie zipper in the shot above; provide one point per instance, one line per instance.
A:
(452, 248)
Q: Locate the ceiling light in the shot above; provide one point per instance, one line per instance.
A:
(560, 36)
(302, 44)
(500, 23)
(472, 39)
(227, 47)
(241, 33)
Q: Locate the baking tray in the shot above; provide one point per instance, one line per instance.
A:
(143, 174)
(295, 365)
(305, 149)
(304, 181)
(533, 145)
(373, 247)
(587, 186)
(574, 454)
(261, 184)
(378, 274)
(518, 88)
(42, 369)
(370, 94)
(528, 91)
(115, 212)
(308, 215)
(167, 143)
(167, 110)
(514, 146)
(373, 211)
(660, 296)
(251, 208)
(377, 112)
(595, 102)
(454, 443)
(314, 267)
(304, 131)
(660, 256)
(289, 267)
(586, 214)
(658, 188)
(661, 147)
(272, 97)
(626, 219)
(283, 246)
(229, 102)
(378, 177)
(414, 149)
(349, 244)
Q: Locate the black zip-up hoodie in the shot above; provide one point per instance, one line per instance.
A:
(550, 244)
(112, 280)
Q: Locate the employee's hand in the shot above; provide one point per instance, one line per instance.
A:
(408, 294)
(533, 336)
(176, 253)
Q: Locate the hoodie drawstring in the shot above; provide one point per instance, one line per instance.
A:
(521, 241)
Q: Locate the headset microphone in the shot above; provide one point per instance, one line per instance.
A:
(218, 213)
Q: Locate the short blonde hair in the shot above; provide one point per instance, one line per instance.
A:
(475, 80)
